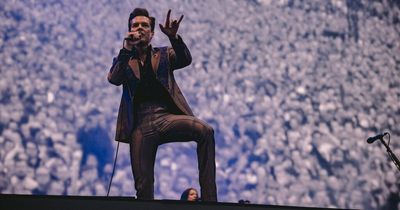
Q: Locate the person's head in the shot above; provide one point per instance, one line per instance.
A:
(141, 22)
(190, 194)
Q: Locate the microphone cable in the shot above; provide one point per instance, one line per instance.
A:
(112, 174)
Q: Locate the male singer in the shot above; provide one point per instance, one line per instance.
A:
(153, 110)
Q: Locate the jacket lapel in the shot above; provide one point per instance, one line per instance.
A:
(133, 63)
(155, 60)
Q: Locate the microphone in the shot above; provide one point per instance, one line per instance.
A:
(135, 37)
(130, 38)
(370, 140)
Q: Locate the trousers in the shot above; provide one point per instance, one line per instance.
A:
(156, 126)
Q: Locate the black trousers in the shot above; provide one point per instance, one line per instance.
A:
(156, 126)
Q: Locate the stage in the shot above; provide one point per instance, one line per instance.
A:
(44, 202)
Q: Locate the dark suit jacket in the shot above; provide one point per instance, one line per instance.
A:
(125, 71)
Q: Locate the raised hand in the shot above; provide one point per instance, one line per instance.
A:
(171, 27)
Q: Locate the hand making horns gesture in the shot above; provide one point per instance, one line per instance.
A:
(170, 28)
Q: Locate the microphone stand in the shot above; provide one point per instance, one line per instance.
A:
(391, 154)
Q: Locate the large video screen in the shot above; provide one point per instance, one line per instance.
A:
(292, 89)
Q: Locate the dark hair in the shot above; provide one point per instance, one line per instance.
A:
(185, 194)
(141, 12)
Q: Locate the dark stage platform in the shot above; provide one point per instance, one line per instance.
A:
(45, 202)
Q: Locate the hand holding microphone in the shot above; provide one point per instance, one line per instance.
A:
(132, 38)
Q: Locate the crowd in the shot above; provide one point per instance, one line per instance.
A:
(292, 88)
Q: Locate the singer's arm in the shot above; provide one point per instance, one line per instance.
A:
(179, 54)
(116, 75)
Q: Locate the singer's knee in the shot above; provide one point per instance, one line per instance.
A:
(208, 130)
(203, 131)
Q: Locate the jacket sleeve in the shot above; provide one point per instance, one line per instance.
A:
(116, 75)
(179, 54)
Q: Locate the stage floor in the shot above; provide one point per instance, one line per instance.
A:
(44, 202)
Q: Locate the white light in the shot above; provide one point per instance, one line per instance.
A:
(50, 97)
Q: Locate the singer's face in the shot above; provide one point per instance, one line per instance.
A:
(141, 25)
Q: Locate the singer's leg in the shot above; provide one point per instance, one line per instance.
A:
(187, 128)
(143, 152)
